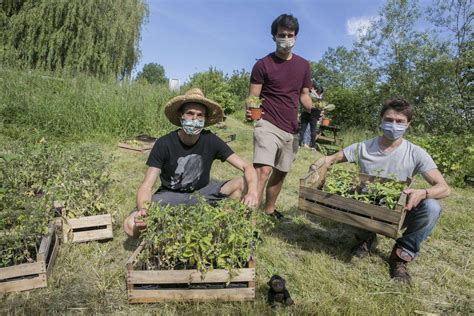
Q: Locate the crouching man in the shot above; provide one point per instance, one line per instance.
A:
(183, 158)
(393, 155)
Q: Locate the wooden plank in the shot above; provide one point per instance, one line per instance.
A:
(351, 205)
(133, 258)
(52, 258)
(153, 296)
(45, 244)
(22, 269)
(252, 265)
(90, 221)
(23, 284)
(188, 276)
(89, 235)
(389, 230)
(141, 147)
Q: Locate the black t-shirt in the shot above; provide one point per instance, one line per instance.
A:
(187, 168)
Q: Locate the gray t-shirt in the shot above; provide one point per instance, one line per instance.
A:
(404, 162)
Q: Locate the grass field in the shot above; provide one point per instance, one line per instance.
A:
(311, 253)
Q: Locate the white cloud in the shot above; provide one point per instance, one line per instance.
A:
(358, 26)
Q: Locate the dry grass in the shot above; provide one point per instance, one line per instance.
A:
(311, 253)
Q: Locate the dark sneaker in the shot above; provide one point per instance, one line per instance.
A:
(398, 266)
(276, 215)
(362, 249)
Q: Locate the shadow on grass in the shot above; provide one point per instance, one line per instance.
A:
(314, 234)
(130, 244)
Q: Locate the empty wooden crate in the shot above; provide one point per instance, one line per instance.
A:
(150, 286)
(27, 276)
(88, 228)
(374, 218)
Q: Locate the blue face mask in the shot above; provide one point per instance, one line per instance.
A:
(192, 127)
(393, 130)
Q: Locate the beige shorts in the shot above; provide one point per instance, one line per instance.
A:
(273, 146)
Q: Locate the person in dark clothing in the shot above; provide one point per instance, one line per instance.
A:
(183, 158)
(311, 119)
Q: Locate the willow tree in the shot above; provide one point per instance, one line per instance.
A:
(99, 37)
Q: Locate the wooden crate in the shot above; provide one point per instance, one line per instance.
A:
(88, 228)
(28, 276)
(187, 285)
(140, 144)
(374, 218)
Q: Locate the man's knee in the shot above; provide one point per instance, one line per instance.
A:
(263, 171)
(430, 209)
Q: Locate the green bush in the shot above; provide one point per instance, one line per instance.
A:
(32, 178)
(81, 107)
(200, 237)
(453, 154)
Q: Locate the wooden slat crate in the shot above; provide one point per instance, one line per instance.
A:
(28, 276)
(374, 218)
(140, 144)
(88, 228)
(148, 286)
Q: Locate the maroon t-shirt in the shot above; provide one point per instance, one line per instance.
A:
(282, 81)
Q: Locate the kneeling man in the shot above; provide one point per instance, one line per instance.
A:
(183, 158)
(393, 155)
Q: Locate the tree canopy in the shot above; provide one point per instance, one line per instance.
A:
(98, 37)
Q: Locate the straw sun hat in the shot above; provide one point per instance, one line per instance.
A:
(214, 112)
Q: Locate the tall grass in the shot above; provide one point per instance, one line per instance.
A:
(80, 107)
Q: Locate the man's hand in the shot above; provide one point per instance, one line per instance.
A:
(138, 219)
(318, 164)
(415, 196)
(248, 114)
(250, 199)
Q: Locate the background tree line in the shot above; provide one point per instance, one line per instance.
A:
(97, 37)
(433, 67)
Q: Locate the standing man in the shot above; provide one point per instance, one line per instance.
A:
(281, 79)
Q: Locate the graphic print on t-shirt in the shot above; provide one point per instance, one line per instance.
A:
(187, 173)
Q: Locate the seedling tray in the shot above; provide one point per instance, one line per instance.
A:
(151, 286)
(373, 218)
(141, 144)
(28, 276)
(87, 228)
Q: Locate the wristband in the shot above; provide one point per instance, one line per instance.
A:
(426, 193)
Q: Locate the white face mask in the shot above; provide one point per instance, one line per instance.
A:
(285, 44)
(393, 130)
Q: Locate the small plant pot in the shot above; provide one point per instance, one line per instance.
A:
(326, 122)
(255, 113)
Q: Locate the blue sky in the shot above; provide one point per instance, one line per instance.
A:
(189, 36)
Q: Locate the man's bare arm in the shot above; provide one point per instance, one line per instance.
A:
(145, 191)
(439, 189)
(306, 100)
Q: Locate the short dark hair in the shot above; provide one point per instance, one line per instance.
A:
(287, 21)
(399, 105)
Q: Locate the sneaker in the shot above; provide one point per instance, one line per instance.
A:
(276, 215)
(362, 249)
(398, 266)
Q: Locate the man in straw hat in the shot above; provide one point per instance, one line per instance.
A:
(281, 79)
(183, 158)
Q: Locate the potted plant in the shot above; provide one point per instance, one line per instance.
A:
(253, 103)
(326, 107)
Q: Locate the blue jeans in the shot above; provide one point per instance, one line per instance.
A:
(419, 223)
